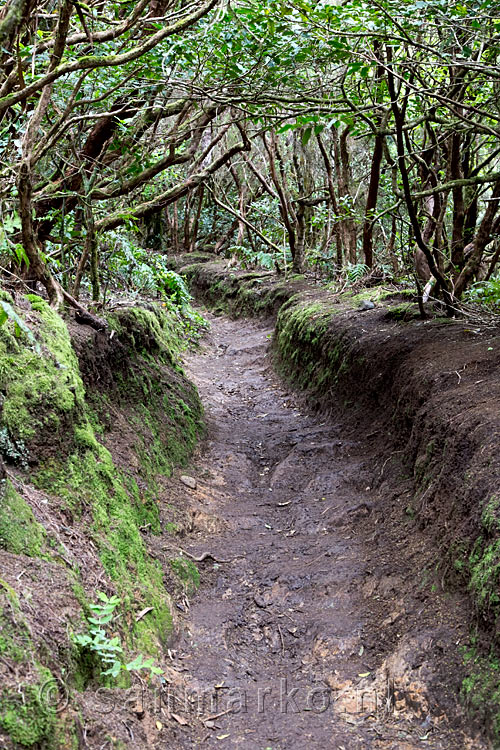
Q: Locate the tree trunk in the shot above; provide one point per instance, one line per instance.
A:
(94, 252)
(457, 235)
(371, 198)
(187, 222)
(391, 246)
(37, 268)
(286, 211)
(241, 205)
(226, 237)
(333, 200)
(342, 167)
(483, 236)
(175, 228)
(300, 223)
(196, 222)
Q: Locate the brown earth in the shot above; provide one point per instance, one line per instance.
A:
(325, 617)
(319, 622)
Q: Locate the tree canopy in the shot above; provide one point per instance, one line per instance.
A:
(294, 134)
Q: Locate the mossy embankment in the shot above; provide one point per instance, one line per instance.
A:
(234, 291)
(91, 425)
(430, 390)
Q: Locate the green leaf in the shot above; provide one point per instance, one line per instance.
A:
(21, 256)
(82, 640)
(114, 670)
(306, 135)
(137, 663)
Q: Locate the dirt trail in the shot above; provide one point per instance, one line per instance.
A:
(308, 630)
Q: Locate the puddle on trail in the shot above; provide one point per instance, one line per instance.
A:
(305, 632)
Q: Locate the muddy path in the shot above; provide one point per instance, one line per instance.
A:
(315, 625)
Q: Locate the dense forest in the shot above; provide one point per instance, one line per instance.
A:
(344, 137)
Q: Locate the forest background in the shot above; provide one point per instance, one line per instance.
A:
(351, 138)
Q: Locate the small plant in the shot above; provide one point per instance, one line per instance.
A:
(10, 225)
(356, 272)
(109, 649)
(170, 283)
(171, 528)
(248, 258)
(133, 267)
(485, 293)
(14, 451)
(7, 312)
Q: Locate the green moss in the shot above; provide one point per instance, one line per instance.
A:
(481, 566)
(187, 571)
(149, 332)
(168, 423)
(485, 573)
(44, 393)
(27, 718)
(405, 311)
(239, 292)
(10, 594)
(375, 294)
(38, 387)
(481, 689)
(14, 638)
(491, 514)
(19, 532)
(166, 412)
(90, 480)
(201, 257)
(26, 711)
(306, 354)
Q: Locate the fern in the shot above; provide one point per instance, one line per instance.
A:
(356, 272)
(135, 267)
(109, 650)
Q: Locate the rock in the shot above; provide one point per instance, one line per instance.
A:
(189, 482)
(367, 304)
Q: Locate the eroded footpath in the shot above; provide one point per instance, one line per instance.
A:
(317, 623)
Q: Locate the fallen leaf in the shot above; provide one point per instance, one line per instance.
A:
(364, 674)
(222, 736)
(179, 719)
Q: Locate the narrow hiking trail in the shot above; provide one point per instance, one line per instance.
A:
(306, 631)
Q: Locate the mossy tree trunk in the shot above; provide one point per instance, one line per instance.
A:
(343, 169)
(37, 269)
